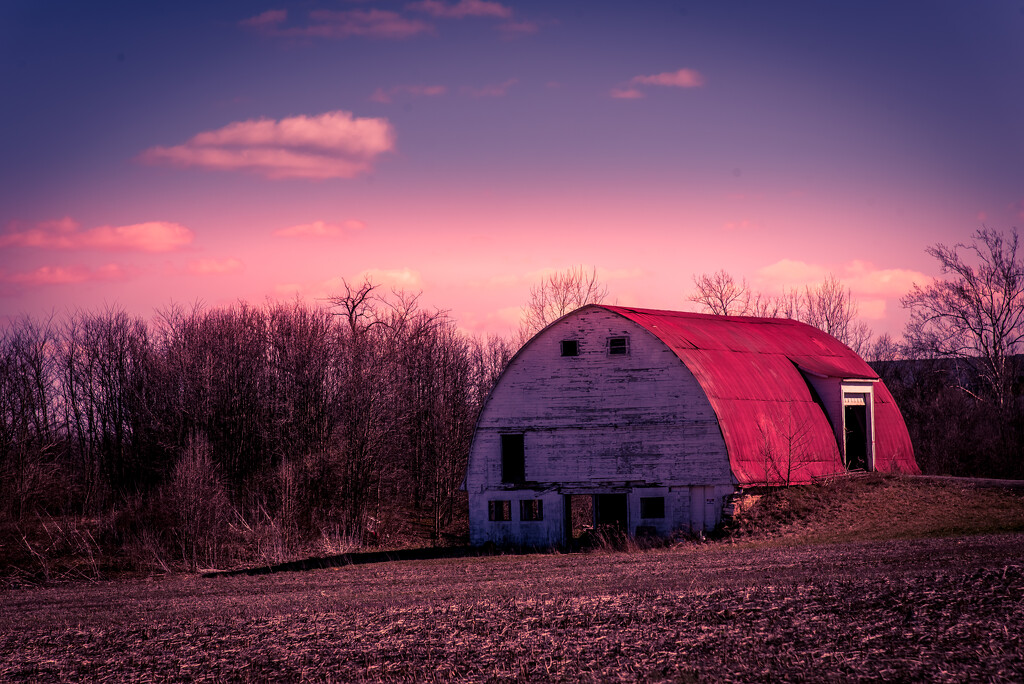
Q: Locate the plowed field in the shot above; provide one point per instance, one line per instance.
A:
(940, 609)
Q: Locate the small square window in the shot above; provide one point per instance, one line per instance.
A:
(531, 510)
(570, 348)
(499, 510)
(618, 346)
(652, 507)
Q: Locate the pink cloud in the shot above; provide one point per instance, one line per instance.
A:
(462, 9)
(864, 278)
(398, 279)
(67, 275)
(494, 90)
(330, 145)
(1019, 208)
(215, 266)
(320, 229)
(626, 93)
(65, 233)
(386, 95)
(683, 78)
(336, 24)
(871, 286)
(269, 18)
(791, 273)
(739, 225)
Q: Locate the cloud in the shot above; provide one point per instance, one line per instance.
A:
(330, 145)
(399, 279)
(743, 224)
(320, 229)
(864, 278)
(402, 279)
(337, 24)
(1019, 208)
(494, 90)
(67, 275)
(462, 9)
(626, 93)
(682, 78)
(215, 266)
(871, 286)
(791, 273)
(270, 18)
(65, 233)
(385, 96)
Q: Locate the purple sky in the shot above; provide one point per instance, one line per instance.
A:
(240, 150)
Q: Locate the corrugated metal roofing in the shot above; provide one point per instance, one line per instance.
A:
(750, 369)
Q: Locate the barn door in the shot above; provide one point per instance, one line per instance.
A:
(856, 422)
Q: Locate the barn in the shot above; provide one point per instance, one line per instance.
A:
(649, 420)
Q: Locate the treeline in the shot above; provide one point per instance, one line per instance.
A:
(955, 425)
(262, 426)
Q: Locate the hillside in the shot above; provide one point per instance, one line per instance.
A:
(876, 507)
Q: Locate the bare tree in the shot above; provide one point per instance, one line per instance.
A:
(831, 307)
(720, 294)
(556, 295)
(828, 306)
(977, 314)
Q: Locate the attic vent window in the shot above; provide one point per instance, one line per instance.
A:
(618, 346)
(531, 510)
(570, 348)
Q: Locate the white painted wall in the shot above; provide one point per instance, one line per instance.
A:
(596, 422)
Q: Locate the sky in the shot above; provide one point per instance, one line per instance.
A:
(159, 153)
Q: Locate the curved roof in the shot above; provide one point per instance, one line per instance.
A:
(753, 372)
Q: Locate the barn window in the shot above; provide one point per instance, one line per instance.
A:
(652, 507)
(531, 510)
(499, 510)
(513, 458)
(618, 346)
(570, 348)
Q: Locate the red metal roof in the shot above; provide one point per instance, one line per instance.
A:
(751, 370)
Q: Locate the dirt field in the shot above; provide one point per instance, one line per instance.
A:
(941, 609)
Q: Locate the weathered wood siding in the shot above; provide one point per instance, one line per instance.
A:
(596, 423)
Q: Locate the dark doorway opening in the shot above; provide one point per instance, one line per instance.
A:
(611, 510)
(579, 516)
(856, 437)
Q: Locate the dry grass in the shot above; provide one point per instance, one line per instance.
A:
(879, 507)
(803, 593)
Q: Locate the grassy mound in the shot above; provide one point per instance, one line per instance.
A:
(876, 507)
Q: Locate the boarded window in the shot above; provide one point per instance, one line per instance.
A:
(570, 348)
(499, 511)
(652, 507)
(618, 346)
(531, 510)
(513, 458)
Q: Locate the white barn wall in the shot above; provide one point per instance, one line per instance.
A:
(596, 422)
